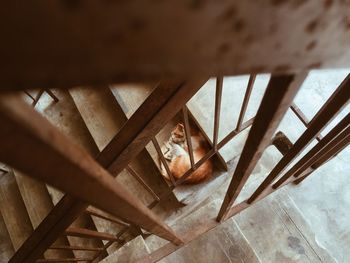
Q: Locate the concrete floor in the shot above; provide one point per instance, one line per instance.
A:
(320, 206)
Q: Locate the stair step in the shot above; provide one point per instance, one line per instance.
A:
(14, 211)
(131, 251)
(276, 222)
(130, 97)
(65, 116)
(38, 204)
(87, 233)
(224, 243)
(104, 121)
(6, 247)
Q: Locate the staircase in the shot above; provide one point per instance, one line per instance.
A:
(91, 118)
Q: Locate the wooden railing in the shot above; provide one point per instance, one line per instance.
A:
(51, 157)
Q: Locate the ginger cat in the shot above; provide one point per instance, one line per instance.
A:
(176, 151)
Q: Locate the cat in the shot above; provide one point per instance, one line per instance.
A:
(176, 151)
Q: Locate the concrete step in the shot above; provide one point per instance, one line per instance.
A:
(13, 210)
(225, 243)
(104, 121)
(129, 252)
(66, 117)
(6, 247)
(38, 204)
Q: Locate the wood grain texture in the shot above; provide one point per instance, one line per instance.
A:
(88, 42)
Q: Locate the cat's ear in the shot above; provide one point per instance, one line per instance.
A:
(181, 125)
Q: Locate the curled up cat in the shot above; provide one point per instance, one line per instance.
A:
(175, 150)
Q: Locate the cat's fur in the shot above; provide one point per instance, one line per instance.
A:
(176, 151)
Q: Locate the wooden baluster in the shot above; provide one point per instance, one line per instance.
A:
(277, 99)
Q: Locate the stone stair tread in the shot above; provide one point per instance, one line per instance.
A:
(6, 247)
(65, 116)
(104, 121)
(129, 252)
(224, 243)
(272, 227)
(38, 204)
(14, 211)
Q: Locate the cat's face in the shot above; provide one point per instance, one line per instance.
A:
(178, 133)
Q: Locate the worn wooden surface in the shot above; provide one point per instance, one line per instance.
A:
(94, 43)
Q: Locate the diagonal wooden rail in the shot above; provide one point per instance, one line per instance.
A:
(163, 103)
(276, 101)
(59, 162)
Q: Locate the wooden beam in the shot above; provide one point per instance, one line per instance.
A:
(276, 101)
(90, 43)
(301, 116)
(329, 110)
(76, 248)
(326, 155)
(217, 111)
(153, 114)
(166, 100)
(188, 135)
(87, 233)
(245, 102)
(98, 213)
(60, 260)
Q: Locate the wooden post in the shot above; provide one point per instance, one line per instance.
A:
(218, 96)
(245, 101)
(276, 101)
